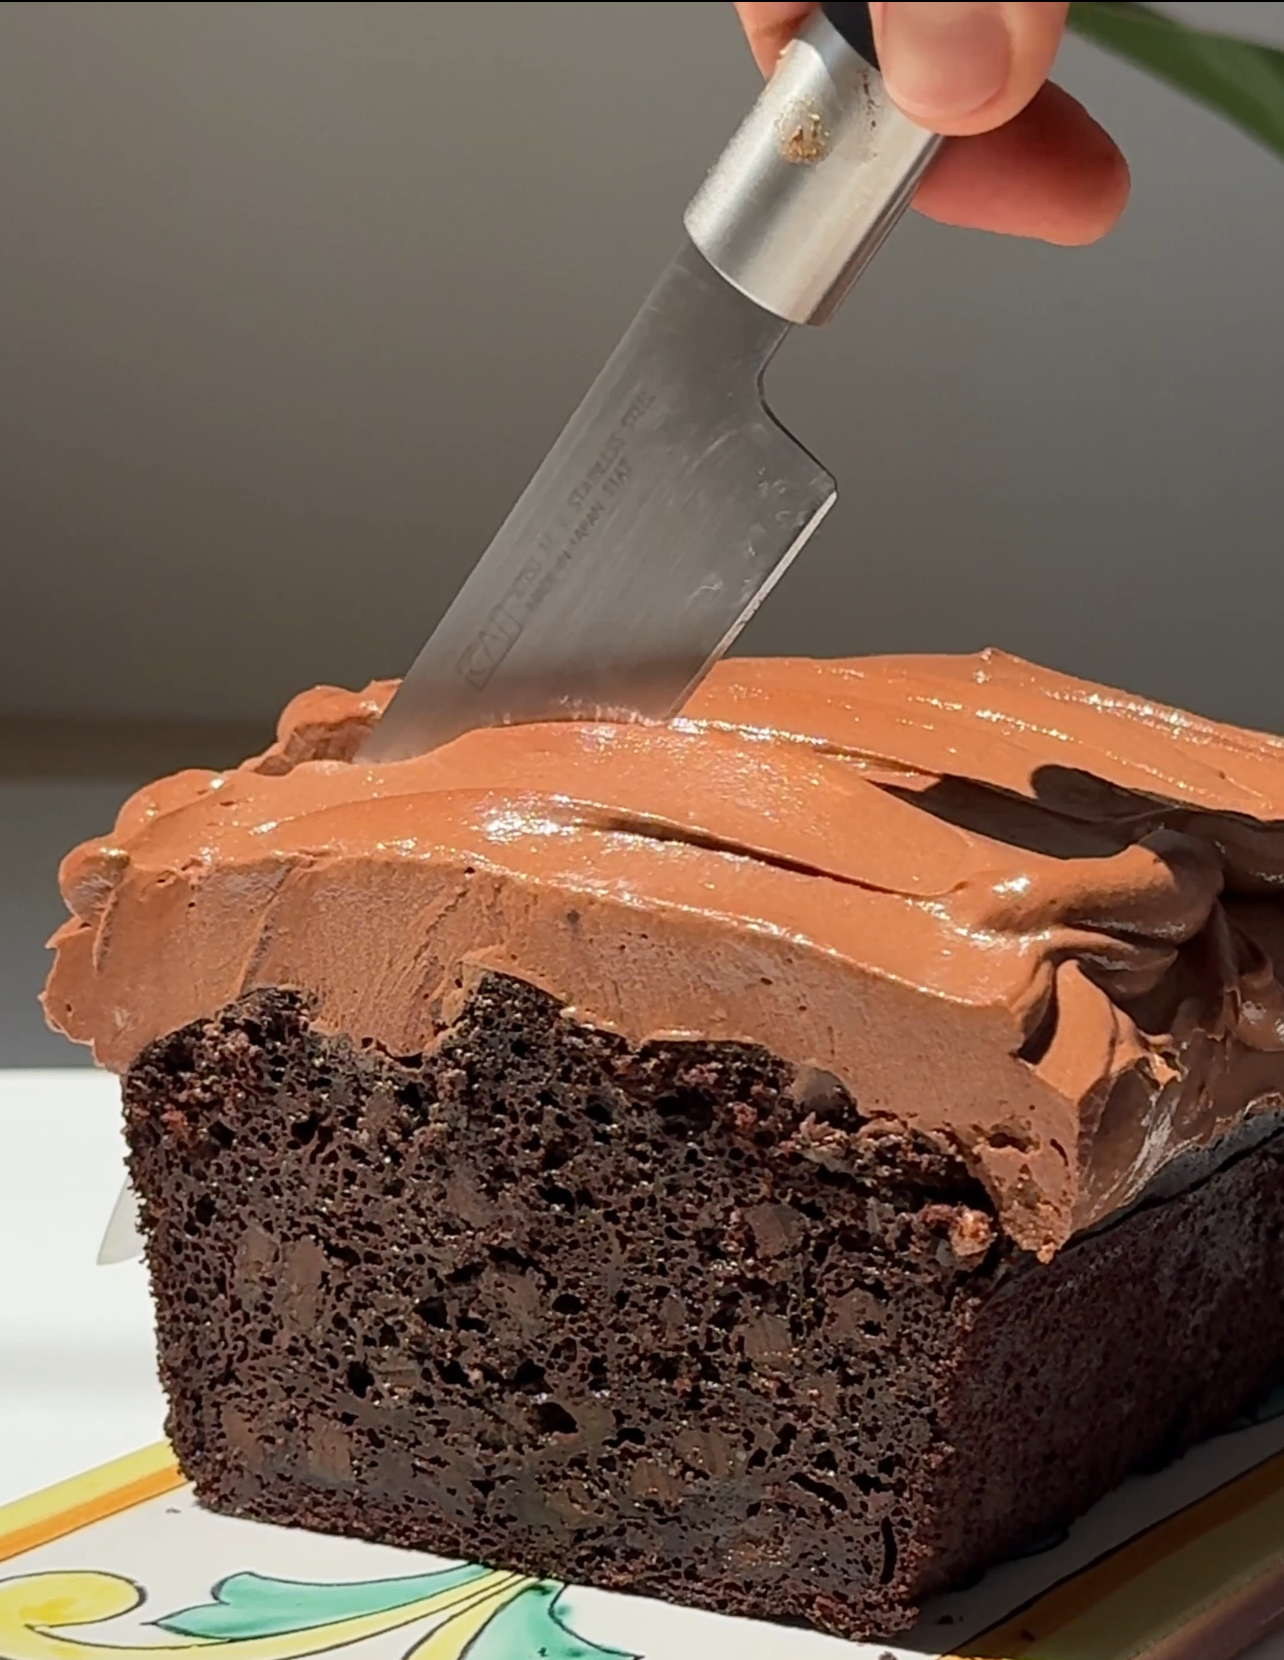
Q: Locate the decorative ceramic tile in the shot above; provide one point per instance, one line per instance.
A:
(122, 1564)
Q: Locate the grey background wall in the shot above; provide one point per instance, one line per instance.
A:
(294, 296)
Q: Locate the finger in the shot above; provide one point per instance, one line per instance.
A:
(769, 28)
(965, 66)
(1052, 173)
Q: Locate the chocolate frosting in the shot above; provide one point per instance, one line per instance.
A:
(1028, 915)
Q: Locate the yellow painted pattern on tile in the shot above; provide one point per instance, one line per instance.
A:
(87, 1498)
(36, 1608)
(1146, 1601)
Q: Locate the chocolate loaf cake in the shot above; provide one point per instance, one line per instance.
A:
(784, 1160)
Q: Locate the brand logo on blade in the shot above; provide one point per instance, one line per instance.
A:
(555, 553)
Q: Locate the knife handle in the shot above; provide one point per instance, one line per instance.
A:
(854, 23)
(820, 170)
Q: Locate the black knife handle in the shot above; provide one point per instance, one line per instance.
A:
(852, 20)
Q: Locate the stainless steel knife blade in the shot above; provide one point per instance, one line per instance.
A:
(122, 1241)
(663, 514)
(673, 500)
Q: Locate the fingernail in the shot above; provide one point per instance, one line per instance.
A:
(943, 61)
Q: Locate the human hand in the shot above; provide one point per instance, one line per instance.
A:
(1034, 162)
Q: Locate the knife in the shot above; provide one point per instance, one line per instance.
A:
(673, 500)
(122, 1241)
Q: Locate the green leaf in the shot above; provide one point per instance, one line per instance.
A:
(250, 1605)
(532, 1627)
(1235, 77)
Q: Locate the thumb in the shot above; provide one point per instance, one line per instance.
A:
(966, 66)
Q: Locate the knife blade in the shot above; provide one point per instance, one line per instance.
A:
(674, 500)
(122, 1241)
(659, 520)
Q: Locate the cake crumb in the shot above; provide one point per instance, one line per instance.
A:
(971, 1234)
